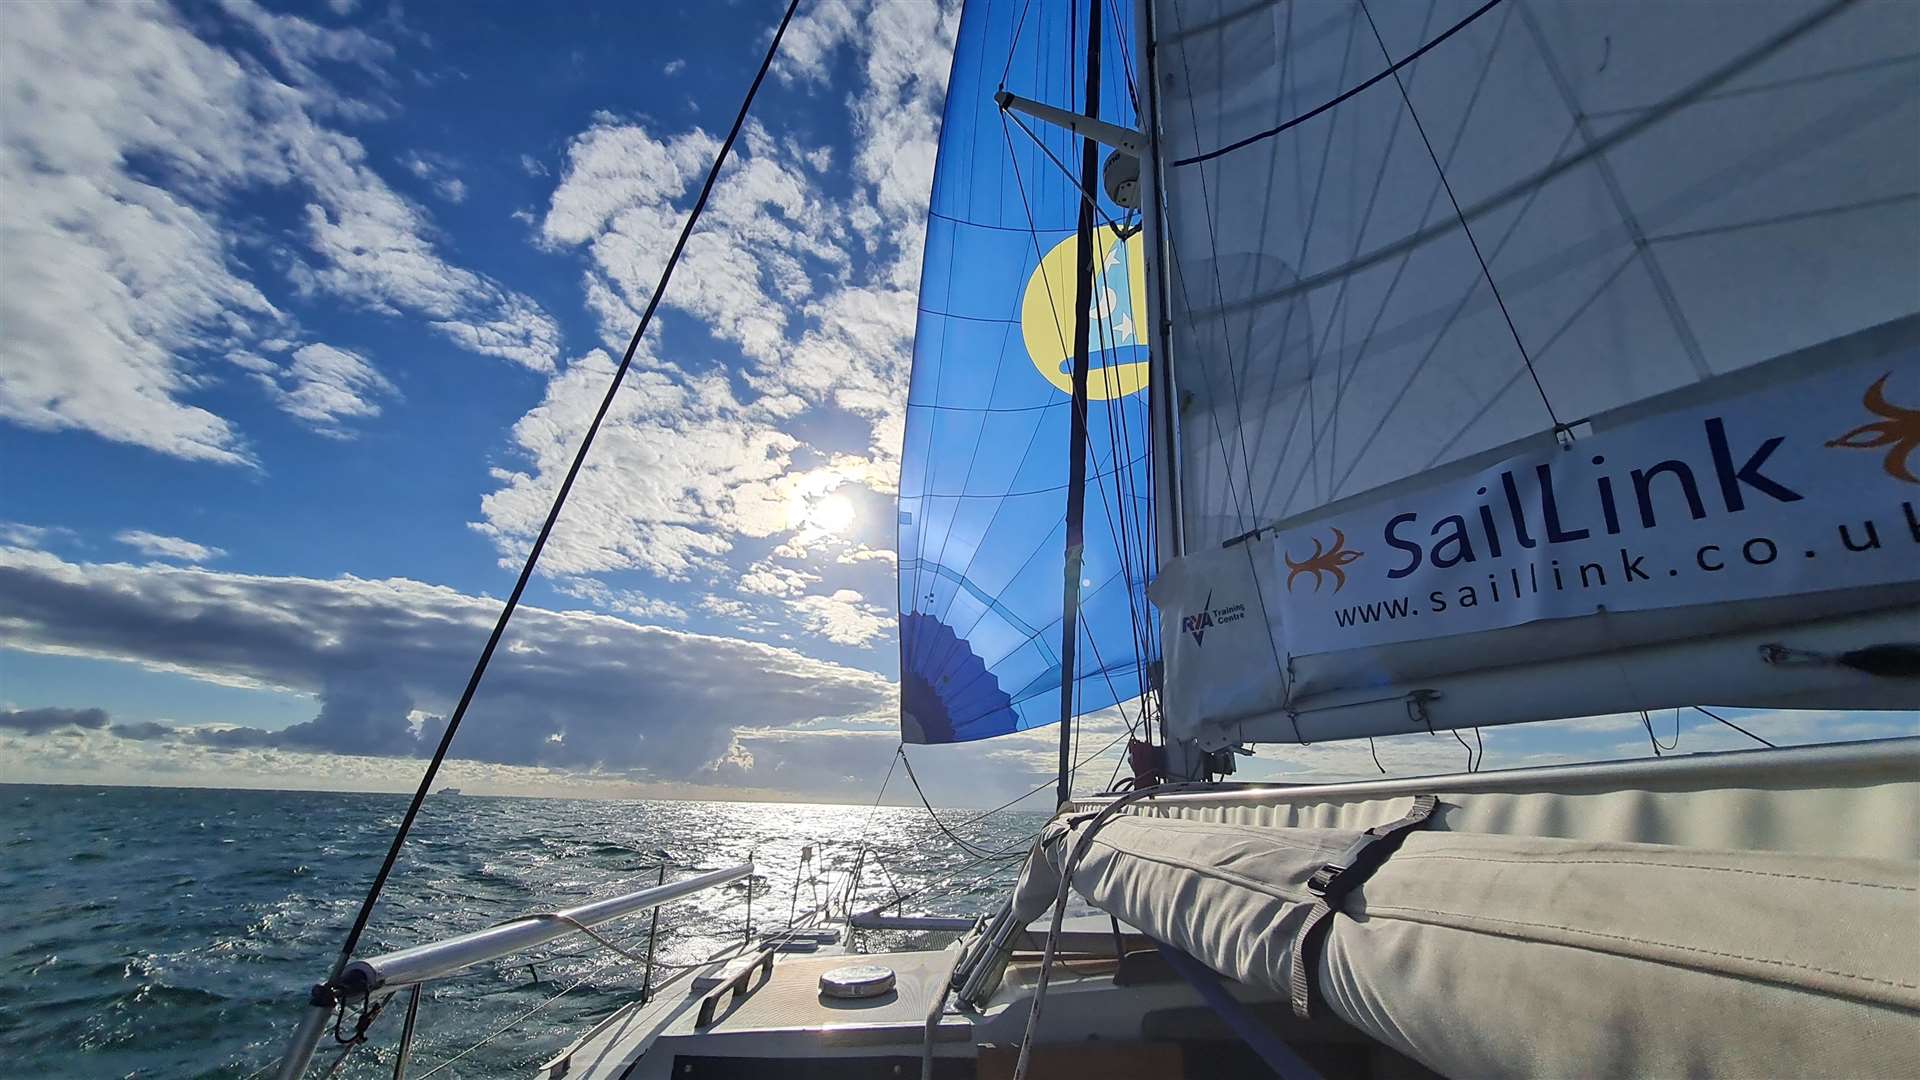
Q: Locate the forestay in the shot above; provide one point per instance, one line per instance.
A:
(1517, 332)
(984, 469)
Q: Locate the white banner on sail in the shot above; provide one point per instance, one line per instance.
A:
(1804, 485)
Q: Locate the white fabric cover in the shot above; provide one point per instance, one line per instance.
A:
(1496, 953)
(1219, 636)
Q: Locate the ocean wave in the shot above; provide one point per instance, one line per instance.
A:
(168, 951)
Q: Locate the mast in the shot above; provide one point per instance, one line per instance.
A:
(1181, 760)
(1161, 393)
(1077, 430)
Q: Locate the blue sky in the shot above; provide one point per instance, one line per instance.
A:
(304, 309)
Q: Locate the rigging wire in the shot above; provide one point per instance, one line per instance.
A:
(719, 956)
(1086, 196)
(1340, 309)
(1099, 476)
(1459, 309)
(1249, 512)
(1473, 760)
(1013, 43)
(559, 501)
(860, 845)
(1731, 724)
(1393, 69)
(1120, 30)
(1043, 787)
(952, 836)
(1649, 117)
(1486, 272)
(1021, 847)
(1661, 749)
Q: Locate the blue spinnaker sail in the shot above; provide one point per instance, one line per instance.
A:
(983, 486)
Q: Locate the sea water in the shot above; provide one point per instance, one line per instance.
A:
(173, 932)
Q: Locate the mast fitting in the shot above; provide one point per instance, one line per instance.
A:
(1112, 136)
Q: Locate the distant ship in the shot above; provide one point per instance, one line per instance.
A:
(448, 791)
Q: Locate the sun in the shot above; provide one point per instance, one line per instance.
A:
(832, 514)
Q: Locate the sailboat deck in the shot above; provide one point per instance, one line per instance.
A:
(789, 998)
(783, 1001)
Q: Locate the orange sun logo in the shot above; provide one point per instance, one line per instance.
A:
(1324, 560)
(1899, 432)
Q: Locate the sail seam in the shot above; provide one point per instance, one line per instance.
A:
(1344, 379)
(1340, 378)
(1662, 286)
(1212, 873)
(1660, 865)
(1463, 921)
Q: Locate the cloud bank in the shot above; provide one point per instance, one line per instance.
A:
(571, 690)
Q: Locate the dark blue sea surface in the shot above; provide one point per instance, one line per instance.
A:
(172, 932)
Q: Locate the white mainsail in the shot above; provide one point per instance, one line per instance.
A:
(1585, 333)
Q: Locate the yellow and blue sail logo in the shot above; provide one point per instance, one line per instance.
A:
(1117, 314)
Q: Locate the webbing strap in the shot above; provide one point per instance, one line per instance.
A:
(1331, 884)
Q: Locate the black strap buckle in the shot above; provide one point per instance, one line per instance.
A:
(1323, 878)
(1330, 885)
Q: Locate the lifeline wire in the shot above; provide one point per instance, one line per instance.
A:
(559, 500)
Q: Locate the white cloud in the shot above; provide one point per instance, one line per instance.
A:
(21, 534)
(863, 553)
(625, 601)
(296, 45)
(154, 545)
(843, 617)
(814, 36)
(120, 278)
(771, 579)
(673, 67)
(678, 470)
(700, 462)
(436, 171)
(764, 231)
(572, 690)
(324, 385)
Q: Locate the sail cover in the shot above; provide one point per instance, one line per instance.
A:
(1696, 916)
(984, 471)
(1495, 325)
